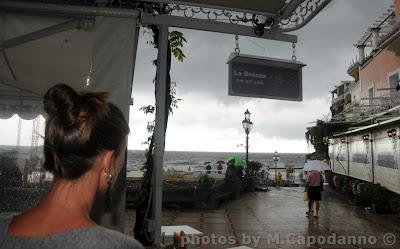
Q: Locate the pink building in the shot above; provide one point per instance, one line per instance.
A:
(376, 87)
(378, 72)
(370, 106)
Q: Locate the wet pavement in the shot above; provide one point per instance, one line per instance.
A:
(276, 219)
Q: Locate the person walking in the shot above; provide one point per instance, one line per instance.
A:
(313, 188)
(208, 168)
(278, 178)
(219, 168)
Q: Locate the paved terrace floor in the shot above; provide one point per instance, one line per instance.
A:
(280, 214)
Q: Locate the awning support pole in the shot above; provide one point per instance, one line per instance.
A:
(159, 138)
(55, 29)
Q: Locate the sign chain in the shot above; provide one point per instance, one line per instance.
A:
(237, 49)
(294, 58)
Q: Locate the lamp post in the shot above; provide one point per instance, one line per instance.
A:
(247, 125)
(276, 158)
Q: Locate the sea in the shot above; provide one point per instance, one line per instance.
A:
(196, 159)
(190, 159)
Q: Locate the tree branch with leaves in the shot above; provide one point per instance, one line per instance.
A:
(315, 136)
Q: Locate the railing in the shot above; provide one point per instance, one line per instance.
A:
(339, 117)
(376, 105)
(366, 107)
(357, 111)
(392, 28)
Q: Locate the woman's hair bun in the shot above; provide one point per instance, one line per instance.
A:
(92, 109)
(79, 127)
(62, 102)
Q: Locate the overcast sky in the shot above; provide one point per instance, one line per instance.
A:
(210, 120)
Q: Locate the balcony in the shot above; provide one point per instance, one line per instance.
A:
(354, 70)
(357, 111)
(338, 100)
(391, 40)
(371, 106)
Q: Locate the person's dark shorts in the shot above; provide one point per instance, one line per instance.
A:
(314, 193)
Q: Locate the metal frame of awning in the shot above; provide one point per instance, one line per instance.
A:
(58, 8)
(215, 6)
(212, 26)
(293, 16)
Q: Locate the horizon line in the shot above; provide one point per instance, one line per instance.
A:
(201, 151)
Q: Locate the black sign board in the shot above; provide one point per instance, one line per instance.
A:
(262, 77)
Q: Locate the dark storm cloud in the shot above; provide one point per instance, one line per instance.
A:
(325, 45)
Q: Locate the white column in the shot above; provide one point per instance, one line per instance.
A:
(19, 132)
(361, 53)
(159, 139)
(375, 37)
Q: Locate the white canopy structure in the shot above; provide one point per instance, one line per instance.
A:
(90, 52)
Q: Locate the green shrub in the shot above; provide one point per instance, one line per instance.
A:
(167, 185)
(394, 203)
(381, 195)
(206, 181)
(176, 175)
(364, 198)
(374, 194)
(252, 167)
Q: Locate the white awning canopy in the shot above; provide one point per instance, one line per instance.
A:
(88, 52)
(14, 100)
(94, 54)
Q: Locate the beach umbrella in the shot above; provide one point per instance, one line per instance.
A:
(237, 161)
(316, 165)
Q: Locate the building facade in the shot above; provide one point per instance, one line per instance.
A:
(369, 150)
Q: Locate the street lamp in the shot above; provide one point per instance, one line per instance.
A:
(247, 115)
(247, 125)
(276, 158)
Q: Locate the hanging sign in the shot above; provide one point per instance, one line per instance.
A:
(263, 77)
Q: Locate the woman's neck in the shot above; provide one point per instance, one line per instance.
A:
(72, 196)
(65, 206)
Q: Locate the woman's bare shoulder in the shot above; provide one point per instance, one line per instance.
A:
(95, 237)
(107, 238)
(37, 223)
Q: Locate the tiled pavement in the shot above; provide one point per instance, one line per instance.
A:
(276, 219)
